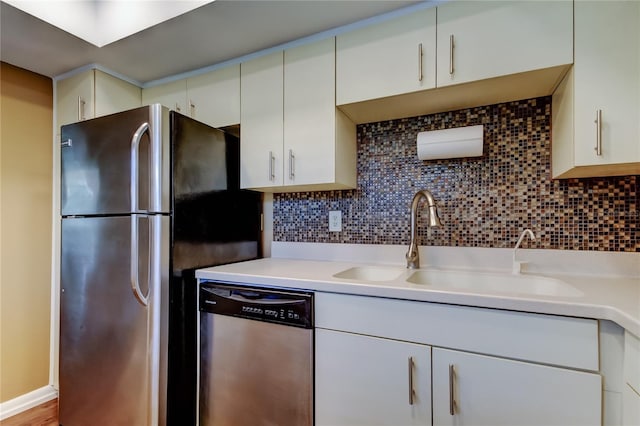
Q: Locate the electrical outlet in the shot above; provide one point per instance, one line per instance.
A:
(335, 221)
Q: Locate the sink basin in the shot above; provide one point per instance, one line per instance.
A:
(494, 283)
(371, 273)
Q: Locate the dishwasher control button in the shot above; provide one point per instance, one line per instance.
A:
(271, 313)
(252, 310)
(293, 315)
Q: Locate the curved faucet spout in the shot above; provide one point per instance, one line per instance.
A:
(516, 265)
(413, 257)
(526, 232)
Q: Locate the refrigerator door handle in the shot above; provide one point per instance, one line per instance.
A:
(135, 153)
(135, 281)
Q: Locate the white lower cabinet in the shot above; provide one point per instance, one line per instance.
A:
(368, 381)
(467, 366)
(630, 406)
(470, 389)
(631, 379)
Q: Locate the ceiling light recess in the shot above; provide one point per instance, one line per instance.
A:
(101, 22)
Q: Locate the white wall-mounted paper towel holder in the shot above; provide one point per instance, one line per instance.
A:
(451, 143)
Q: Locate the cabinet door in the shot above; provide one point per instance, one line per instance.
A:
(607, 79)
(214, 97)
(362, 380)
(309, 113)
(172, 95)
(630, 406)
(483, 390)
(386, 59)
(631, 381)
(631, 367)
(261, 121)
(484, 39)
(75, 98)
(115, 95)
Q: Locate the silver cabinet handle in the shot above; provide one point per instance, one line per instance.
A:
(135, 281)
(420, 54)
(178, 107)
(81, 104)
(412, 392)
(598, 121)
(452, 400)
(135, 152)
(292, 165)
(451, 47)
(272, 166)
(192, 108)
(67, 143)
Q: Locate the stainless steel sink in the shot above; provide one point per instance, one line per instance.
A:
(493, 283)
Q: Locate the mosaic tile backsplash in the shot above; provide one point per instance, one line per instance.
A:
(483, 202)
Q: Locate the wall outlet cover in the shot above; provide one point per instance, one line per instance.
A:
(335, 221)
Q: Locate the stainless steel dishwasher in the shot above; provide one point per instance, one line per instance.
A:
(256, 356)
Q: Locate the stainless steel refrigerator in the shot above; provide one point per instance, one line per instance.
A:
(147, 197)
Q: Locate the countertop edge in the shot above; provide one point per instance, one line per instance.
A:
(260, 272)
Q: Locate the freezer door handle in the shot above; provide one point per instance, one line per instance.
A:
(135, 278)
(135, 153)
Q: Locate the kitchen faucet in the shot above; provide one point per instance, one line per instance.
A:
(517, 265)
(413, 257)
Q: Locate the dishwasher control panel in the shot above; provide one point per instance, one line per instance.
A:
(294, 308)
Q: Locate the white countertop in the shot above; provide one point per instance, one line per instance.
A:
(614, 296)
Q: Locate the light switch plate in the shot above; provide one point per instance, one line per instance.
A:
(335, 221)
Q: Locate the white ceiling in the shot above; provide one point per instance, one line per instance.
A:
(212, 34)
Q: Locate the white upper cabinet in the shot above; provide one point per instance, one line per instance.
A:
(596, 109)
(292, 135)
(262, 122)
(92, 94)
(114, 95)
(484, 39)
(75, 98)
(172, 95)
(214, 97)
(391, 58)
(471, 52)
(319, 141)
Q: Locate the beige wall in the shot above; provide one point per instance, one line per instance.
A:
(26, 117)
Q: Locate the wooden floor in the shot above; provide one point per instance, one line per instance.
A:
(45, 414)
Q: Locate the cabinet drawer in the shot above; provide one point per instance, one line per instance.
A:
(547, 339)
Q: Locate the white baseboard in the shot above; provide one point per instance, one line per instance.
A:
(28, 400)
